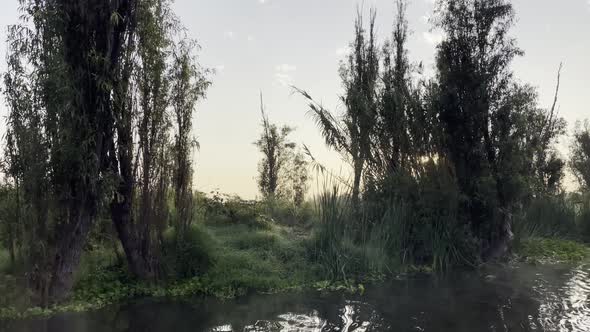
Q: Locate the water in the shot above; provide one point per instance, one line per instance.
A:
(517, 298)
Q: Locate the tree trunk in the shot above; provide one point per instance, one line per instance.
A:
(11, 248)
(501, 245)
(68, 253)
(140, 264)
(358, 170)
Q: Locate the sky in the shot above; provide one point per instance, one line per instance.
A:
(265, 46)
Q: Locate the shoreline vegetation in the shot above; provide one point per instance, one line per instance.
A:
(97, 205)
(250, 252)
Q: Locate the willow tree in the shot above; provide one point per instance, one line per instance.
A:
(189, 83)
(406, 129)
(486, 118)
(350, 134)
(393, 150)
(63, 57)
(580, 155)
(9, 221)
(153, 124)
(160, 83)
(299, 177)
(539, 131)
(276, 149)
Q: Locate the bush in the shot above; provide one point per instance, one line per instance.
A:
(187, 255)
(416, 218)
(255, 240)
(225, 209)
(97, 259)
(286, 213)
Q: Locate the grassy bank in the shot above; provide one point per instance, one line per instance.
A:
(240, 247)
(552, 250)
(554, 229)
(244, 258)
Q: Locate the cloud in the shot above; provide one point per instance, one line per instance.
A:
(284, 79)
(219, 68)
(262, 2)
(250, 38)
(285, 68)
(343, 51)
(433, 37)
(229, 34)
(284, 74)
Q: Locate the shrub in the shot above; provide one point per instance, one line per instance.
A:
(225, 209)
(415, 218)
(97, 259)
(255, 240)
(286, 213)
(187, 255)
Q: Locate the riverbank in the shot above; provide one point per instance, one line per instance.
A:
(548, 251)
(246, 258)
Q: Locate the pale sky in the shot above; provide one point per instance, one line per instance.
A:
(265, 45)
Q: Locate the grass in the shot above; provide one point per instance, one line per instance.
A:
(264, 260)
(547, 217)
(239, 250)
(244, 259)
(554, 229)
(547, 250)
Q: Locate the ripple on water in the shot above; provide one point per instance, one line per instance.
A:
(566, 307)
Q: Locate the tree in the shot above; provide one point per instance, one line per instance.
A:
(393, 149)
(9, 221)
(189, 84)
(538, 132)
(63, 57)
(300, 178)
(89, 96)
(153, 133)
(351, 135)
(580, 155)
(406, 128)
(158, 87)
(132, 85)
(475, 83)
(276, 149)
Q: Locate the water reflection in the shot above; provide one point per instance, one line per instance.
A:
(565, 308)
(520, 298)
